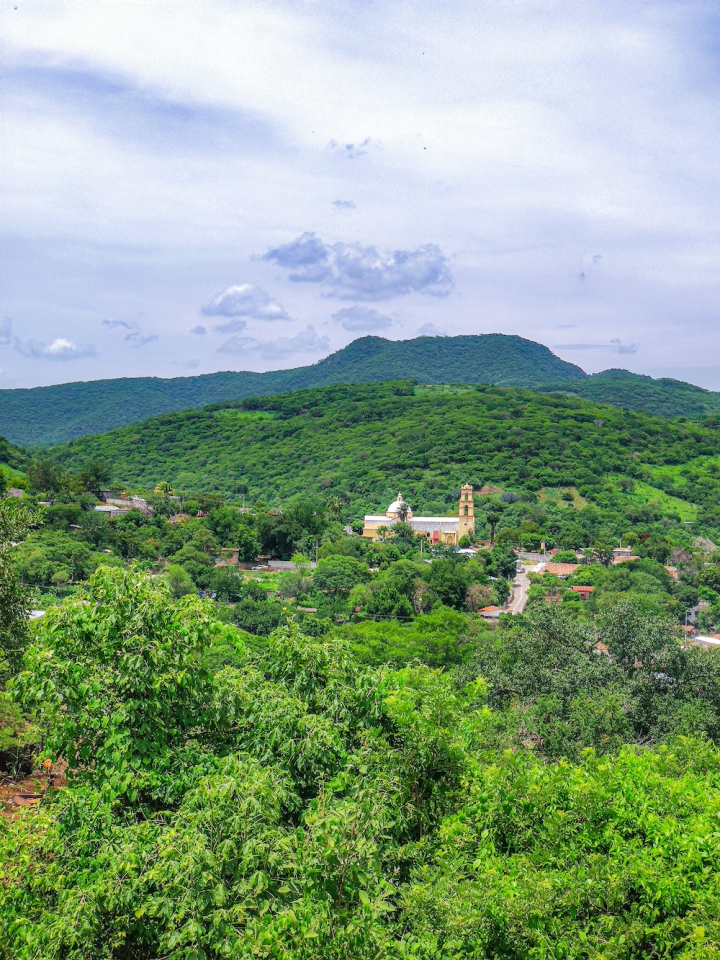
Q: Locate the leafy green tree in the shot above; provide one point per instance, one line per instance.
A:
(15, 522)
(179, 581)
(493, 517)
(46, 476)
(338, 575)
(95, 475)
(117, 681)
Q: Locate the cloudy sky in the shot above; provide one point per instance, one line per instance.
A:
(227, 184)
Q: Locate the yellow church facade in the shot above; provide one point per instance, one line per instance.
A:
(447, 530)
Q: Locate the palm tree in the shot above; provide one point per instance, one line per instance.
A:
(403, 511)
(332, 507)
(492, 518)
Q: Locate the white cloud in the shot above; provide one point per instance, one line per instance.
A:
(134, 337)
(350, 271)
(232, 326)
(361, 319)
(59, 349)
(245, 300)
(306, 341)
(431, 330)
(199, 330)
(149, 145)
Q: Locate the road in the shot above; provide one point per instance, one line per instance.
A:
(517, 600)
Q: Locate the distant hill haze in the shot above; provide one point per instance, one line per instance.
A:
(45, 416)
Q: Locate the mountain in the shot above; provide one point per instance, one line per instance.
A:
(44, 416)
(633, 391)
(364, 442)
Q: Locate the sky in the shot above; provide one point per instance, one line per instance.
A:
(236, 185)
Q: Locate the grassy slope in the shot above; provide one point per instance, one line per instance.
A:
(632, 391)
(51, 415)
(365, 442)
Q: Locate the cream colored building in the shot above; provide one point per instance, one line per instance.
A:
(446, 530)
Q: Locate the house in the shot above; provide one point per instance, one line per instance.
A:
(622, 553)
(561, 570)
(491, 612)
(709, 643)
(110, 510)
(583, 591)
(624, 558)
(14, 492)
(447, 530)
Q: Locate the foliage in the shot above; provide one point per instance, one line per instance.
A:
(116, 680)
(565, 693)
(633, 391)
(15, 521)
(310, 807)
(52, 415)
(316, 442)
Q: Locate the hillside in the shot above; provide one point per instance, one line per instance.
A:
(43, 416)
(365, 442)
(633, 391)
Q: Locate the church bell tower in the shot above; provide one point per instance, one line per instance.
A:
(466, 512)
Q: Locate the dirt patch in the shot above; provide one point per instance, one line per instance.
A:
(26, 792)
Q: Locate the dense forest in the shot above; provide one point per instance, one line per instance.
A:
(51, 415)
(360, 753)
(632, 391)
(363, 443)
(44, 416)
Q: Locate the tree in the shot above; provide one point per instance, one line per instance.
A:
(493, 518)
(404, 534)
(333, 506)
(95, 475)
(117, 682)
(478, 595)
(603, 552)
(179, 581)
(338, 575)
(15, 522)
(46, 476)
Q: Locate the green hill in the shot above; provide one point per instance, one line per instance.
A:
(364, 442)
(44, 416)
(633, 391)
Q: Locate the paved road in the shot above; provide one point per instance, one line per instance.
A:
(518, 598)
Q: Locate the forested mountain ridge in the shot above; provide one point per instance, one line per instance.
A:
(363, 442)
(51, 415)
(664, 397)
(44, 416)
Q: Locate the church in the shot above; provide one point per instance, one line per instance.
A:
(446, 530)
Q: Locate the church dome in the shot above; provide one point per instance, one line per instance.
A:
(396, 506)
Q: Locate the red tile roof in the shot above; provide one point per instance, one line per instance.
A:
(561, 569)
